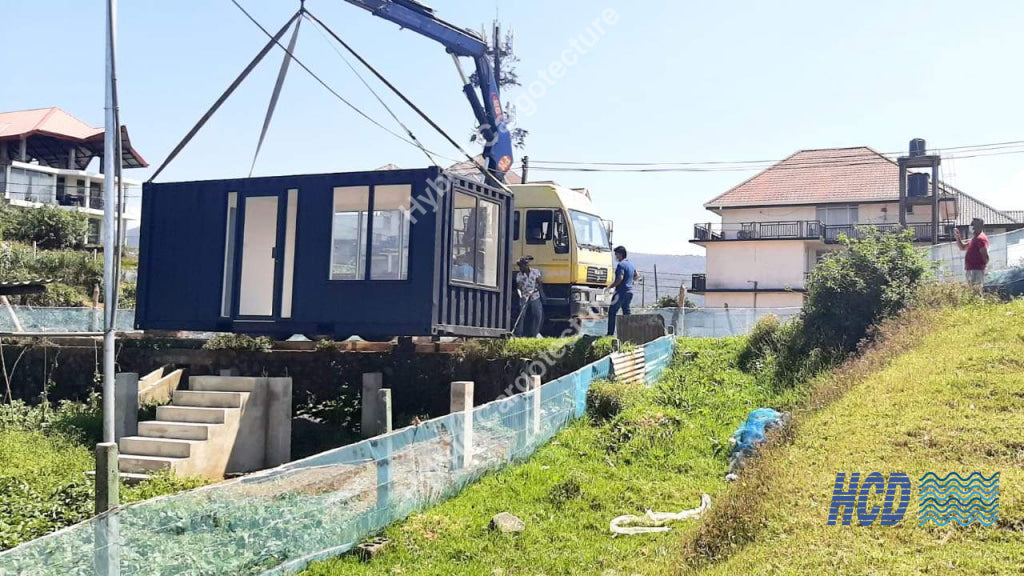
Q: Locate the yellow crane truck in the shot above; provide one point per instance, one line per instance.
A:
(559, 229)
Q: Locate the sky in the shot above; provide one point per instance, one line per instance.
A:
(668, 81)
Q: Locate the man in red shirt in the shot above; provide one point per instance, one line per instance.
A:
(976, 259)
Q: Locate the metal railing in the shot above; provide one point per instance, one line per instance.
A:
(922, 231)
(782, 230)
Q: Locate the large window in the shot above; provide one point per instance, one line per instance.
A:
(838, 215)
(390, 247)
(350, 242)
(348, 235)
(590, 232)
(476, 240)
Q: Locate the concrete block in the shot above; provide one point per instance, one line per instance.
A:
(279, 421)
(151, 378)
(126, 410)
(373, 382)
(640, 329)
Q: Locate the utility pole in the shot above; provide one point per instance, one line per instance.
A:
(497, 53)
(656, 295)
(106, 453)
(526, 168)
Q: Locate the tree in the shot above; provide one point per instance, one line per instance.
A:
(49, 227)
(501, 50)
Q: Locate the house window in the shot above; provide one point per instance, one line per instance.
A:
(390, 247)
(838, 215)
(476, 238)
(538, 226)
(348, 233)
(94, 236)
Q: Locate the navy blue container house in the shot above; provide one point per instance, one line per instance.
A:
(373, 254)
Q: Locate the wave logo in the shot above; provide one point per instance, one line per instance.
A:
(958, 499)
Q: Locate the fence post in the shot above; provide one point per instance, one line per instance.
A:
(462, 443)
(382, 448)
(373, 382)
(535, 405)
(384, 411)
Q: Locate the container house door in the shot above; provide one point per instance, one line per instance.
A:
(257, 286)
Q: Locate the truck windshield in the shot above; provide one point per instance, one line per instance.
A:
(590, 232)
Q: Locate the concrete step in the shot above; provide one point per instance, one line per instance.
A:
(164, 447)
(191, 414)
(204, 399)
(222, 384)
(174, 430)
(129, 464)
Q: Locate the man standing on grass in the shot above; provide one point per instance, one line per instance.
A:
(625, 274)
(976, 257)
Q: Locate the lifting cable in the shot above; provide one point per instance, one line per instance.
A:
(281, 74)
(430, 156)
(397, 92)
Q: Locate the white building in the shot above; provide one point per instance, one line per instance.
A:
(776, 226)
(44, 160)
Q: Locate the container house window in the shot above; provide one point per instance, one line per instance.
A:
(348, 233)
(516, 217)
(476, 240)
(538, 226)
(489, 227)
(389, 251)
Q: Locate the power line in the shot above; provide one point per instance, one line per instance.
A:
(860, 157)
(796, 165)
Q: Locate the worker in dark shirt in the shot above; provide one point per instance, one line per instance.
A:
(625, 274)
(976, 257)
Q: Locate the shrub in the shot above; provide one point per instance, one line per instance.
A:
(240, 342)
(49, 227)
(876, 277)
(74, 268)
(761, 341)
(605, 400)
(667, 302)
(127, 296)
(58, 295)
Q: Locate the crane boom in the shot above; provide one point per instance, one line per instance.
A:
(459, 43)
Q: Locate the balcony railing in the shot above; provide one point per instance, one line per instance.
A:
(922, 231)
(793, 229)
(807, 230)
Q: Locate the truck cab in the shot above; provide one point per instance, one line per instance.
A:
(569, 242)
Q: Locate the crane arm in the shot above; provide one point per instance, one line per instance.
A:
(460, 43)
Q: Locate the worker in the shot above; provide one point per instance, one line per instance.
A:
(625, 275)
(976, 257)
(531, 314)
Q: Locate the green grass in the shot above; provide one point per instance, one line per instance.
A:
(44, 457)
(664, 449)
(953, 403)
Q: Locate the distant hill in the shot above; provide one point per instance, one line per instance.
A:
(672, 270)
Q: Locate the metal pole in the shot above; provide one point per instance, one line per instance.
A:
(526, 168)
(656, 295)
(109, 205)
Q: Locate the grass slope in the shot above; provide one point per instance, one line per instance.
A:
(662, 451)
(954, 403)
(43, 482)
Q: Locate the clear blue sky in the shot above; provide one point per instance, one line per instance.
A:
(670, 81)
